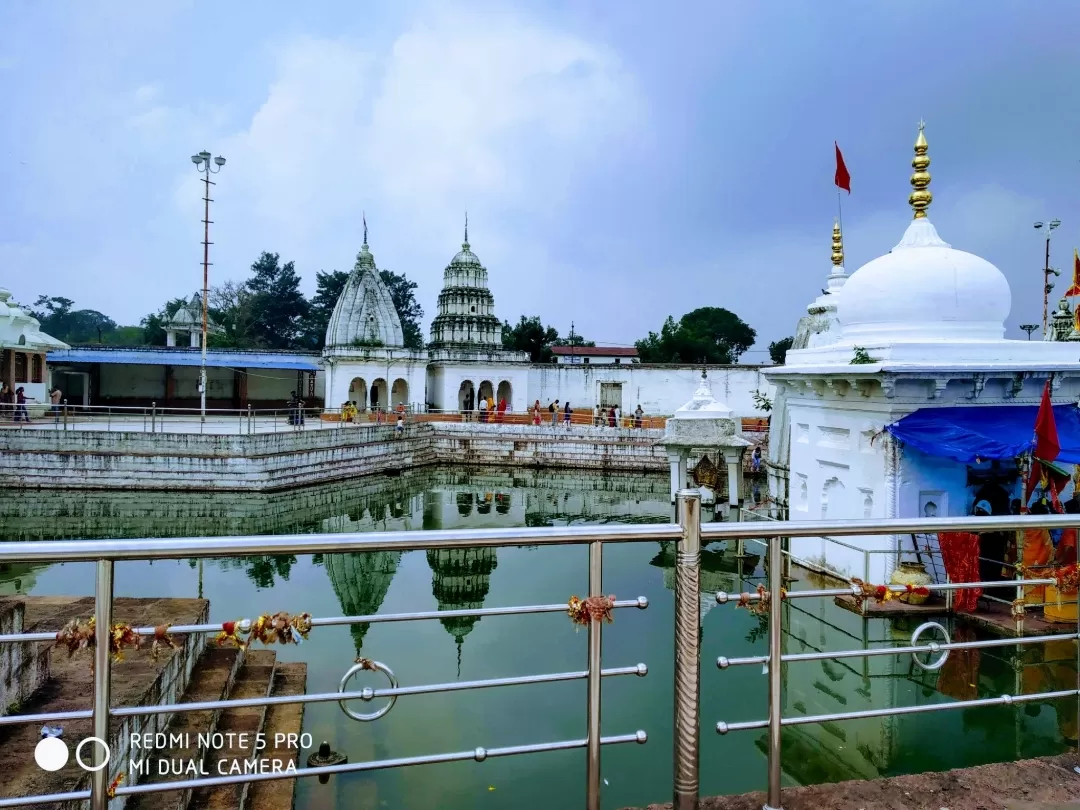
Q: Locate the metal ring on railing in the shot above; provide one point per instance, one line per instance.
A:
(933, 645)
(361, 665)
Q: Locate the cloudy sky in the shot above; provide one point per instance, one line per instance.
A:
(620, 161)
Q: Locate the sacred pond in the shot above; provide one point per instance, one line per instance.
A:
(445, 651)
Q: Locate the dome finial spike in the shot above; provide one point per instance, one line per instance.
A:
(466, 227)
(920, 197)
(363, 216)
(837, 245)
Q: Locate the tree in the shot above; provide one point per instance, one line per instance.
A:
(72, 326)
(778, 350)
(706, 335)
(403, 293)
(530, 335)
(276, 308)
(328, 287)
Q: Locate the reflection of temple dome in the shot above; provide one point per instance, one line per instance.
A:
(361, 582)
(461, 578)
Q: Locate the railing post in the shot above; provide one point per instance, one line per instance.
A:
(592, 754)
(776, 603)
(153, 417)
(65, 414)
(688, 652)
(103, 611)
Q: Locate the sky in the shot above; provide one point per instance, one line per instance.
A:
(619, 162)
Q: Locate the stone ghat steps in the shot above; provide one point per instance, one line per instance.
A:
(277, 794)
(256, 680)
(138, 680)
(214, 676)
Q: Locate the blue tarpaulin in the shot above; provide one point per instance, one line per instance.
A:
(186, 357)
(987, 433)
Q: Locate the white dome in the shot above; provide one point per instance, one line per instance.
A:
(924, 289)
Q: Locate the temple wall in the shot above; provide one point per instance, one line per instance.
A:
(276, 461)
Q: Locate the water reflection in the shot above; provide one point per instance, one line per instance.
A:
(460, 580)
(361, 582)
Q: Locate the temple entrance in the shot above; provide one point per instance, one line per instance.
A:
(358, 393)
(466, 397)
(399, 394)
(486, 390)
(378, 394)
(506, 392)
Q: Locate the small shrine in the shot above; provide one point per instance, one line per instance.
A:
(188, 321)
(704, 424)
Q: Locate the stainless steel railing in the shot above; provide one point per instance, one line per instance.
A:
(689, 535)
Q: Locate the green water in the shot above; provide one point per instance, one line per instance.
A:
(429, 652)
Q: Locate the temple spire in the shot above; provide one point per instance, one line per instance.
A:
(837, 245)
(920, 198)
(466, 245)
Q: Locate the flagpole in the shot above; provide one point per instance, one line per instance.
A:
(840, 211)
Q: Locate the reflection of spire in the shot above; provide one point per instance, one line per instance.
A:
(361, 581)
(920, 198)
(461, 578)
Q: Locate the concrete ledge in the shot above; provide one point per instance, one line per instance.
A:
(1046, 783)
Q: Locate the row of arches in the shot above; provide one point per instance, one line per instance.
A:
(469, 395)
(378, 395)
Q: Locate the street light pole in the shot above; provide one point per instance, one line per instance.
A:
(1047, 272)
(203, 164)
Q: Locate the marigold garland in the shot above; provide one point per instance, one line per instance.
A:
(113, 785)
(162, 640)
(883, 593)
(759, 606)
(231, 633)
(584, 611)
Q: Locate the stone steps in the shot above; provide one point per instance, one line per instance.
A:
(277, 794)
(213, 678)
(255, 680)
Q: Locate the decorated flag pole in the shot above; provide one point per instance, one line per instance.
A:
(842, 180)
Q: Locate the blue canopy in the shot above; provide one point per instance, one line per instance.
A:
(986, 433)
(220, 358)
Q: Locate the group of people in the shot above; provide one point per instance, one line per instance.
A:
(350, 414)
(602, 415)
(13, 402)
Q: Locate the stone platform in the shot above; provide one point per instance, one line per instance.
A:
(991, 616)
(1047, 783)
(192, 672)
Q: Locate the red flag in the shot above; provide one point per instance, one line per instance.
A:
(842, 179)
(1046, 435)
(1075, 288)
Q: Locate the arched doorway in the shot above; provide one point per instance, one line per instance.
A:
(358, 393)
(378, 394)
(399, 393)
(466, 396)
(506, 392)
(486, 390)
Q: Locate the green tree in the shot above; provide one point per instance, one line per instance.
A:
(403, 293)
(530, 335)
(276, 308)
(328, 287)
(72, 325)
(706, 335)
(127, 336)
(778, 350)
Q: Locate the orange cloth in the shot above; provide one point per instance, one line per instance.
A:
(1037, 551)
(1065, 554)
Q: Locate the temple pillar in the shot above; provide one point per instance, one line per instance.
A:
(193, 340)
(170, 337)
(733, 457)
(677, 462)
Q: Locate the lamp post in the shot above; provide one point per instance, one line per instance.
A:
(1029, 328)
(1047, 270)
(203, 164)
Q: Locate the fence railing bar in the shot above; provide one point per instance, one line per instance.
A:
(723, 597)
(641, 603)
(478, 754)
(1002, 700)
(47, 717)
(641, 670)
(723, 662)
(51, 799)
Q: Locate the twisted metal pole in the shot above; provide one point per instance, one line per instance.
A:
(103, 614)
(592, 751)
(687, 652)
(776, 601)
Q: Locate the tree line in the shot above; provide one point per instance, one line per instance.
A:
(268, 311)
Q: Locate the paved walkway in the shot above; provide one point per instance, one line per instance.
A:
(217, 425)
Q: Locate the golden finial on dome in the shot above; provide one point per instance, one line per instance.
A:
(837, 245)
(920, 198)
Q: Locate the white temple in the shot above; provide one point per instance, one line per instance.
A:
(23, 347)
(921, 327)
(188, 321)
